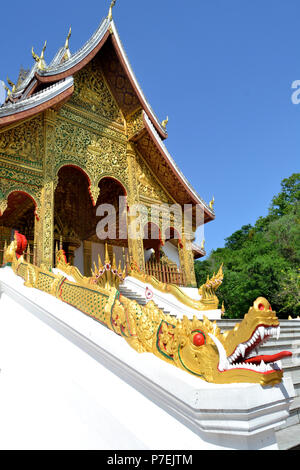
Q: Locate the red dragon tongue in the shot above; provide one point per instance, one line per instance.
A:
(268, 358)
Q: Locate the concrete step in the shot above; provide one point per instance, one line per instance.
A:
(288, 435)
(289, 438)
(129, 294)
(294, 417)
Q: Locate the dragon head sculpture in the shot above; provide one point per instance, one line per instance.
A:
(231, 357)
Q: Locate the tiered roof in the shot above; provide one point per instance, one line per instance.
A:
(48, 86)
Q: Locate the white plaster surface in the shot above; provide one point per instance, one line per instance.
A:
(171, 252)
(79, 258)
(67, 382)
(168, 301)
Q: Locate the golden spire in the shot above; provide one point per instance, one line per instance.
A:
(202, 244)
(211, 204)
(165, 122)
(110, 9)
(107, 258)
(39, 60)
(68, 38)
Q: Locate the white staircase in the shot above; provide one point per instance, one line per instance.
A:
(288, 435)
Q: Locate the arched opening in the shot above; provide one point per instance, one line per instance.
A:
(19, 215)
(77, 219)
(73, 210)
(110, 225)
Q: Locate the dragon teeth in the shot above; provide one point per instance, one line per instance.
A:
(277, 332)
(242, 349)
(261, 331)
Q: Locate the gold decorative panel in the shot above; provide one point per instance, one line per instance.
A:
(92, 93)
(24, 143)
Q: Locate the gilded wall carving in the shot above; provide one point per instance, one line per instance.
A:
(135, 245)
(24, 143)
(8, 186)
(92, 122)
(96, 154)
(91, 93)
(14, 172)
(135, 124)
(147, 184)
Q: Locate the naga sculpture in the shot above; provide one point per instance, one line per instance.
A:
(196, 346)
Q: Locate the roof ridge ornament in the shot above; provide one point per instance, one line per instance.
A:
(211, 204)
(165, 122)
(110, 10)
(67, 53)
(11, 84)
(40, 60)
(68, 38)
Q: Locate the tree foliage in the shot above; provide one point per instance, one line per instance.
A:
(262, 260)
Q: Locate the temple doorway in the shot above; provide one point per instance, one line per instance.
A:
(77, 219)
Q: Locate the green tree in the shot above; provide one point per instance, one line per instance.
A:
(289, 198)
(263, 259)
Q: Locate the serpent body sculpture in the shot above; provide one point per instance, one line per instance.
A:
(196, 346)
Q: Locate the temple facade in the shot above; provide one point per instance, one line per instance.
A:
(77, 135)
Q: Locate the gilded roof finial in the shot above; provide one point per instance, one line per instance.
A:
(7, 90)
(110, 9)
(68, 38)
(202, 244)
(40, 60)
(211, 204)
(11, 84)
(165, 122)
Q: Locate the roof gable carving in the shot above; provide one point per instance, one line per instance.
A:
(92, 93)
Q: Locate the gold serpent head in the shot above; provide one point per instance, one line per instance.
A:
(204, 351)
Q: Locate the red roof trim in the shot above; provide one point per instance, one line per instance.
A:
(6, 120)
(196, 201)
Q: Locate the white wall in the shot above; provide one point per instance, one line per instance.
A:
(78, 258)
(171, 252)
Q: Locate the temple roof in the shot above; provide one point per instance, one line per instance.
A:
(47, 86)
(61, 67)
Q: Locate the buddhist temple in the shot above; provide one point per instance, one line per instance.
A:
(106, 342)
(77, 134)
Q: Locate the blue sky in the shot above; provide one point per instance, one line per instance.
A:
(221, 70)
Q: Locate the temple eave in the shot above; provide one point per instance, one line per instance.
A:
(23, 114)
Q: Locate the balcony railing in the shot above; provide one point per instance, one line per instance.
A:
(169, 274)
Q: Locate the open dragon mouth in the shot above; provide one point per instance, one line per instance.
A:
(245, 355)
